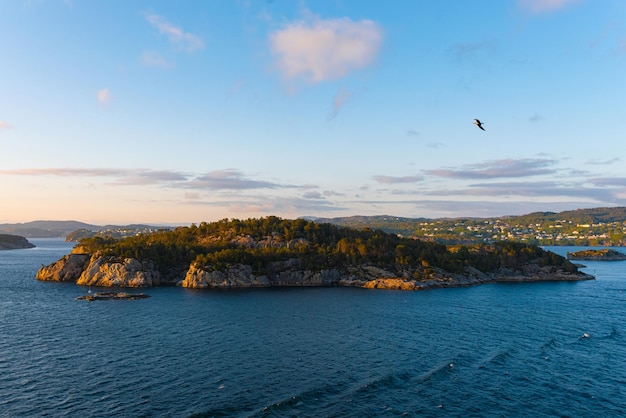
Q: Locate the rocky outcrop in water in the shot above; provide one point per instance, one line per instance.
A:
(112, 296)
(129, 272)
(67, 269)
(597, 255)
(89, 270)
(14, 242)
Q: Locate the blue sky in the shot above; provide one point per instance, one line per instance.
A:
(177, 112)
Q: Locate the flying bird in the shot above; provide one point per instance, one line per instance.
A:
(479, 124)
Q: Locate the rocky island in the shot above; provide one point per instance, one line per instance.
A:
(597, 255)
(14, 242)
(273, 252)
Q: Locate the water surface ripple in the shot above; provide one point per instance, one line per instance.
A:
(492, 350)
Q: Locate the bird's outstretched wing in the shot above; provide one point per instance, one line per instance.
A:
(479, 124)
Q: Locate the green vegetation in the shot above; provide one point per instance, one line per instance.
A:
(598, 226)
(261, 243)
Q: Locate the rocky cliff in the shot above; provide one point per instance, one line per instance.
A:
(98, 270)
(87, 270)
(67, 269)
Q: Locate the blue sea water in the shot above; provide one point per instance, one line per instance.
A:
(500, 350)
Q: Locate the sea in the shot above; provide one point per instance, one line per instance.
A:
(551, 349)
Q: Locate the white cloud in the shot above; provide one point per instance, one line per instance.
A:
(318, 50)
(175, 34)
(544, 6)
(104, 96)
(4, 125)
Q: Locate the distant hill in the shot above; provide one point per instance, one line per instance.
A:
(597, 226)
(44, 229)
(63, 229)
(579, 216)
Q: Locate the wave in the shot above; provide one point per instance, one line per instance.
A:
(553, 343)
(497, 358)
(438, 372)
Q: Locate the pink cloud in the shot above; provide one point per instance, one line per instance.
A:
(104, 96)
(318, 50)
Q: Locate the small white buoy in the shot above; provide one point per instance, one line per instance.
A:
(585, 335)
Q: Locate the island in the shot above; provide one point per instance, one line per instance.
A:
(275, 252)
(596, 255)
(14, 242)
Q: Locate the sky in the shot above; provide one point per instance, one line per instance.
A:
(168, 112)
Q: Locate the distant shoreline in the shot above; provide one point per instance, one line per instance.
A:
(14, 242)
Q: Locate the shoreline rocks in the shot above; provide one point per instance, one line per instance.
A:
(97, 270)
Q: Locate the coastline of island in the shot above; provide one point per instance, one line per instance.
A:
(272, 252)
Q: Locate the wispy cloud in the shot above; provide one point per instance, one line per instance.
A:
(154, 59)
(228, 179)
(104, 96)
(260, 206)
(434, 144)
(4, 125)
(466, 50)
(499, 169)
(325, 49)
(340, 99)
(175, 34)
(605, 162)
(609, 181)
(531, 189)
(312, 194)
(544, 6)
(397, 180)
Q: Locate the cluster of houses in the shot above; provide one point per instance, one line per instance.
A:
(559, 232)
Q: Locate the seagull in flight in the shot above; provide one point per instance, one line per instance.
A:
(479, 124)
